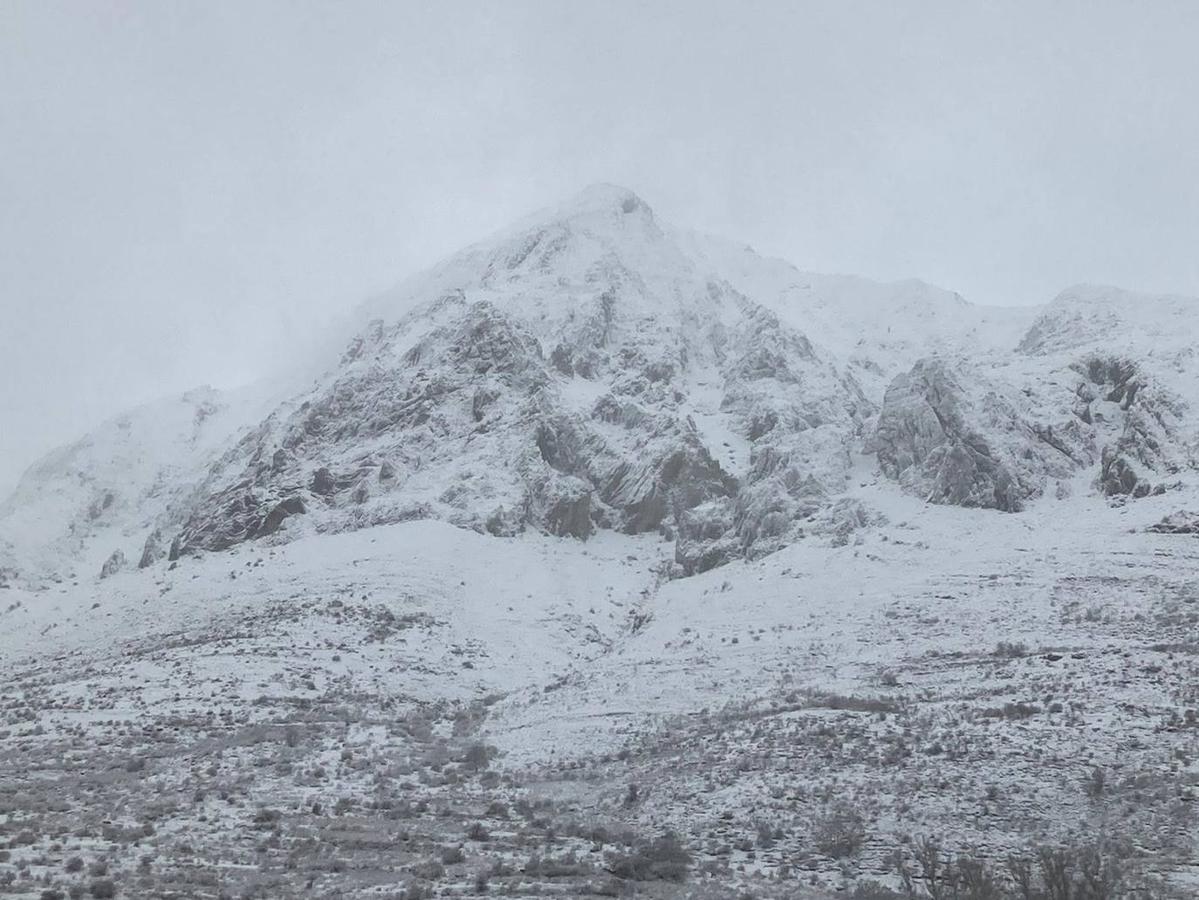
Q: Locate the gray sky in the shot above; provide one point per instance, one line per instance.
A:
(188, 189)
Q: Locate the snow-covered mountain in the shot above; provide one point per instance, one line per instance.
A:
(595, 368)
(603, 529)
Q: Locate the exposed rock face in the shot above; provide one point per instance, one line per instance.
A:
(926, 443)
(1129, 399)
(706, 538)
(152, 550)
(567, 507)
(1138, 421)
(953, 435)
(112, 565)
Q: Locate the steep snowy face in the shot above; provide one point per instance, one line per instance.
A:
(581, 372)
(95, 500)
(1135, 361)
(1096, 385)
(877, 329)
(1089, 316)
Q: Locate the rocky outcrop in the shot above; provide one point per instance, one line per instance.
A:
(925, 441)
(115, 563)
(152, 549)
(1180, 522)
(1139, 422)
(240, 513)
(954, 437)
(562, 506)
(706, 538)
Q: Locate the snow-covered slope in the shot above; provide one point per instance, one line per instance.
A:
(101, 495)
(925, 583)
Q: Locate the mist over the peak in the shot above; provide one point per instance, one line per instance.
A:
(189, 194)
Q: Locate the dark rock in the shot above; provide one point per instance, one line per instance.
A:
(100, 505)
(561, 359)
(568, 514)
(925, 443)
(292, 506)
(323, 482)
(113, 564)
(1117, 476)
(706, 538)
(151, 550)
(1181, 522)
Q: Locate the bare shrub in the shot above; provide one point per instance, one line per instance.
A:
(840, 832)
(663, 859)
(1010, 649)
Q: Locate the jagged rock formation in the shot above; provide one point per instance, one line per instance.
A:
(557, 386)
(955, 433)
(112, 565)
(933, 440)
(1180, 522)
(1143, 424)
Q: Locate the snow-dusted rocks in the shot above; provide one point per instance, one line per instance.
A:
(1180, 522)
(1142, 424)
(967, 435)
(112, 565)
(929, 440)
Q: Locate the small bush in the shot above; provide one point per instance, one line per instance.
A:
(840, 832)
(429, 870)
(1011, 650)
(1043, 873)
(104, 889)
(1095, 784)
(478, 757)
(663, 859)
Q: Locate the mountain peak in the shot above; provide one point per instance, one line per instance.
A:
(606, 197)
(599, 205)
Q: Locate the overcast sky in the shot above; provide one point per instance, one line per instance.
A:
(187, 190)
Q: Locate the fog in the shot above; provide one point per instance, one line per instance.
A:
(189, 191)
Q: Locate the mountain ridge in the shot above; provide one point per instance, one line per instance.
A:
(638, 376)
